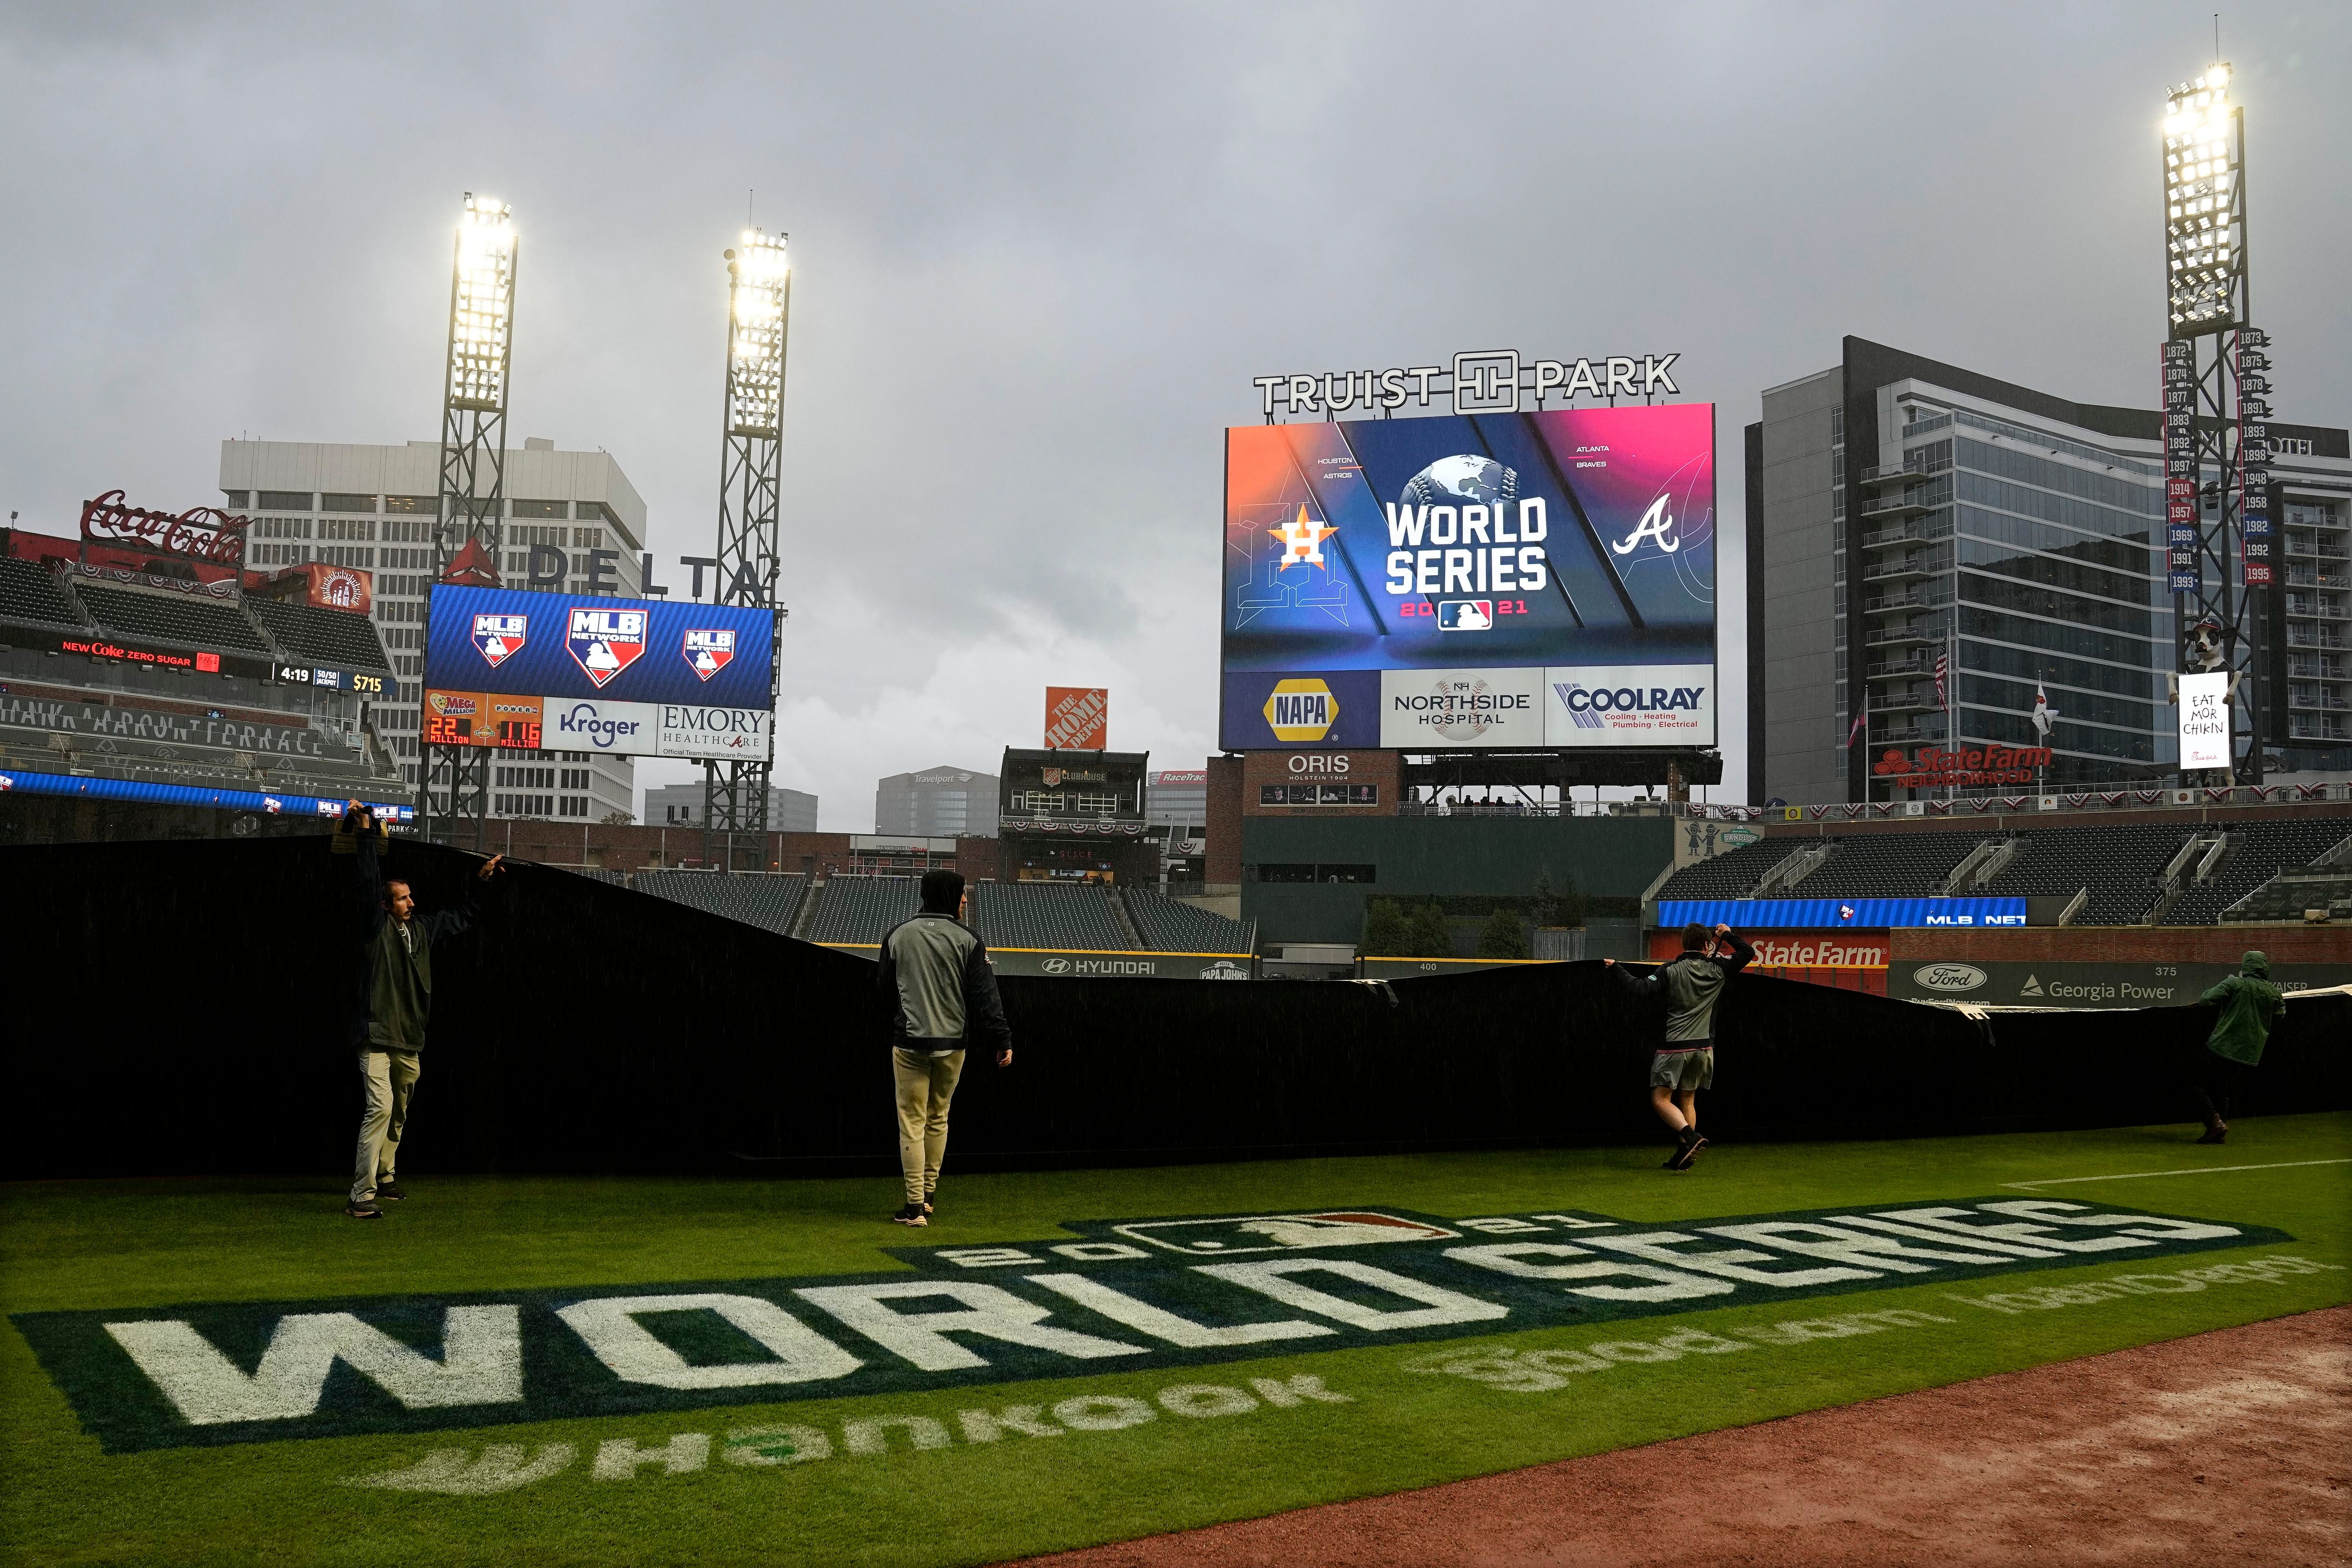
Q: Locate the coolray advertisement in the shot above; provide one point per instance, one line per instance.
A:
(573, 645)
(1479, 581)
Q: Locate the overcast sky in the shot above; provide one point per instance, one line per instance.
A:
(1040, 251)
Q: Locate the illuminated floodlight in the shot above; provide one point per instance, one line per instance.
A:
(482, 304)
(762, 274)
(2204, 204)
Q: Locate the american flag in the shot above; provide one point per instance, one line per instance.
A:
(1943, 662)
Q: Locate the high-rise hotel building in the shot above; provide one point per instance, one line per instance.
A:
(373, 506)
(1901, 511)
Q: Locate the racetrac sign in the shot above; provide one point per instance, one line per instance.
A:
(1121, 1295)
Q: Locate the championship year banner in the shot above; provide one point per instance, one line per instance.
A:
(1503, 580)
(572, 646)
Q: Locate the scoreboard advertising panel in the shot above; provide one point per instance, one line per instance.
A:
(564, 672)
(1495, 581)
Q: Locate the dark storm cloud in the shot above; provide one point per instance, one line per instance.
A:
(1040, 251)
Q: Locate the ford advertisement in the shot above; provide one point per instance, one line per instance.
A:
(1476, 581)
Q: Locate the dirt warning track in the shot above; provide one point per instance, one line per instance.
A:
(2223, 1447)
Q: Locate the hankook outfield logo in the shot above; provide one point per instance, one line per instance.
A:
(1119, 1295)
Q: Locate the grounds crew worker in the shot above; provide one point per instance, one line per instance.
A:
(1684, 1064)
(2250, 1005)
(936, 978)
(393, 1002)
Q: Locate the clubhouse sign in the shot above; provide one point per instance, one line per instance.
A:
(1126, 1295)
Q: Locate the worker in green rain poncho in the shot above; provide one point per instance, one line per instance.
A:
(2250, 1007)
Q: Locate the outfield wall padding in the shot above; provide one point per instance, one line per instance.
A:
(174, 1010)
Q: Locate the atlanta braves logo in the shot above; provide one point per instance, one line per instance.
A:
(604, 643)
(709, 651)
(498, 638)
(1656, 526)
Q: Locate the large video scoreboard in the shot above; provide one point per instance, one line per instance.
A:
(1485, 581)
(646, 678)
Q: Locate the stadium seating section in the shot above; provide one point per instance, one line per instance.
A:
(861, 909)
(2290, 897)
(2121, 867)
(2259, 851)
(1040, 914)
(171, 618)
(1169, 926)
(321, 636)
(770, 902)
(27, 593)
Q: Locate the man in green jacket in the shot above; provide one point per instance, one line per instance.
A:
(393, 1004)
(2250, 1005)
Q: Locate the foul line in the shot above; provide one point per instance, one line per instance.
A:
(2185, 1171)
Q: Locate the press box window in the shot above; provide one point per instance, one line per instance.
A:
(1302, 871)
(1319, 795)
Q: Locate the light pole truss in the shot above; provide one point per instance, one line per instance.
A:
(760, 295)
(2216, 403)
(469, 524)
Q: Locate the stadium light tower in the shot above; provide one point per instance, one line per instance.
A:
(2216, 393)
(468, 527)
(759, 299)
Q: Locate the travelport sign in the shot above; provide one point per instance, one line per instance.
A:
(1118, 1294)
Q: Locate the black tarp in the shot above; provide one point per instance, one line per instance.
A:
(170, 1011)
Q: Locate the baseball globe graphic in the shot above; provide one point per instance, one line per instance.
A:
(1467, 478)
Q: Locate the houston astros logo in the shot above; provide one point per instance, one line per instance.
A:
(604, 643)
(710, 651)
(498, 638)
(1302, 539)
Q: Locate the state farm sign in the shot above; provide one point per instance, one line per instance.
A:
(1933, 767)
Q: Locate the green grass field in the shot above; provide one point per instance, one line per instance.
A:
(1131, 1450)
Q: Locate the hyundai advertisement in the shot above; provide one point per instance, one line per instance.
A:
(1476, 581)
(644, 678)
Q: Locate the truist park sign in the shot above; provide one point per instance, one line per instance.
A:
(1487, 380)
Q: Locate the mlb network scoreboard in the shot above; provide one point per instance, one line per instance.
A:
(1521, 581)
(644, 678)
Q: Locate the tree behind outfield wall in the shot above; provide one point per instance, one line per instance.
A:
(1386, 932)
(1503, 936)
(1428, 936)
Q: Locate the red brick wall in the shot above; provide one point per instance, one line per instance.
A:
(1225, 856)
(1382, 768)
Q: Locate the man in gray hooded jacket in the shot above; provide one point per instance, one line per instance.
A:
(1684, 1064)
(942, 992)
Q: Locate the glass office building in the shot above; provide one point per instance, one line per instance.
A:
(1903, 513)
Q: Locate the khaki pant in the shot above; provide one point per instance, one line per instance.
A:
(926, 1084)
(388, 1080)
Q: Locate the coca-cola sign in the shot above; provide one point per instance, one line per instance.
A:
(1933, 767)
(200, 533)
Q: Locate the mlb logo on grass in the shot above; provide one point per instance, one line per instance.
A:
(1283, 1232)
(498, 638)
(604, 643)
(710, 650)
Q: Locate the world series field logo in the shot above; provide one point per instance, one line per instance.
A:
(1123, 1294)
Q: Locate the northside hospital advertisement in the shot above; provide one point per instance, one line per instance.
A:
(1487, 581)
